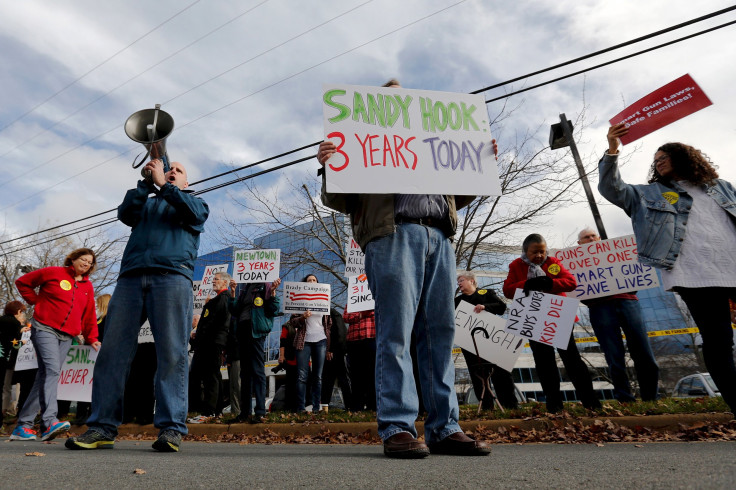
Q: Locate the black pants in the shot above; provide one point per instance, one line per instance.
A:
(549, 375)
(336, 369)
(710, 310)
(362, 367)
(140, 398)
(206, 372)
(502, 381)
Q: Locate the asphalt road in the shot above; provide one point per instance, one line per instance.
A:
(219, 465)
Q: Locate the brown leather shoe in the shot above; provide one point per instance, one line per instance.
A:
(404, 446)
(458, 444)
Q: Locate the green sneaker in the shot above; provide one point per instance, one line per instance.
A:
(90, 440)
(168, 441)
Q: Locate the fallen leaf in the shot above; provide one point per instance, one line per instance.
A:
(36, 453)
(139, 471)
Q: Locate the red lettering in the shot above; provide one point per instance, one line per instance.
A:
(556, 302)
(545, 340)
(342, 143)
(387, 149)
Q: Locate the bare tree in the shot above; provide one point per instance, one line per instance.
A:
(47, 249)
(316, 234)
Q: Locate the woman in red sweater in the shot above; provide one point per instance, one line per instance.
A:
(535, 271)
(64, 307)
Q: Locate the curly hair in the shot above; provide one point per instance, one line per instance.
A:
(74, 255)
(688, 163)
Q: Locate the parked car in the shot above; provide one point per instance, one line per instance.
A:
(695, 385)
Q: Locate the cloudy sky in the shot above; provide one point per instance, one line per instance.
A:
(243, 82)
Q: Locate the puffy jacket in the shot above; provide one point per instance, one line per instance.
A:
(372, 215)
(62, 302)
(562, 280)
(658, 212)
(165, 228)
(264, 308)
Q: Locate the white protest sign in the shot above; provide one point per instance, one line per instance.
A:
(302, 296)
(256, 265)
(75, 380)
(199, 298)
(606, 267)
(26, 354)
(145, 335)
(205, 289)
(494, 344)
(546, 318)
(359, 295)
(354, 259)
(394, 140)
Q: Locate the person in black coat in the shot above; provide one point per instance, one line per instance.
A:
(337, 368)
(11, 323)
(209, 343)
(485, 300)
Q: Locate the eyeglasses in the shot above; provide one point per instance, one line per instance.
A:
(660, 159)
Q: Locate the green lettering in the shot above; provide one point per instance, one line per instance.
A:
(405, 109)
(344, 110)
(468, 117)
(359, 109)
(392, 110)
(425, 107)
(440, 115)
(455, 117)
(376, 110)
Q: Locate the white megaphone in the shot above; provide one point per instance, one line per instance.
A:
(150, 127)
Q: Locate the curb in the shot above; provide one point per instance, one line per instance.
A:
(658, 423)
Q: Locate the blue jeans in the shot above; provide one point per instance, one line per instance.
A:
(608, 318)
(165, 298)
(252, 372)
(317, 351)
(50, 353)
(411, 274)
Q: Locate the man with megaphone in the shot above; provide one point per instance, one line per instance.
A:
(155, 283)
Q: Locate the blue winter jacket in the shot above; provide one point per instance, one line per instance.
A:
(165, 228)
(658, 212)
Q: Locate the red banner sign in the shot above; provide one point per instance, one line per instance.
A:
(664, 106)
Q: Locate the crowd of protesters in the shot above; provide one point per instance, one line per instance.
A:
(391, 344)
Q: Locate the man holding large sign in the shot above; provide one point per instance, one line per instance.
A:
(609, 315)
(412, 230)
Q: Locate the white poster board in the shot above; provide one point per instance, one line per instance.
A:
(256, 265)
(26, 354)
(360, 297)
(205, 288)
(395, 140)
(75, 380)
(199, 298)
(302, 296)
(145, 335)
(606, 267)
(545, 318)
(354, 259)
(494, 344)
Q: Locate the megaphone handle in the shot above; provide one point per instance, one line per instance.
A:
(165, 159)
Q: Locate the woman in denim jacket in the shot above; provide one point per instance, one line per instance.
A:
(685, 225)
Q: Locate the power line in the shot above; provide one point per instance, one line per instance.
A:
(288, 164)
(73, 82)
(595, 67)
(211, 112)
(151, 67)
